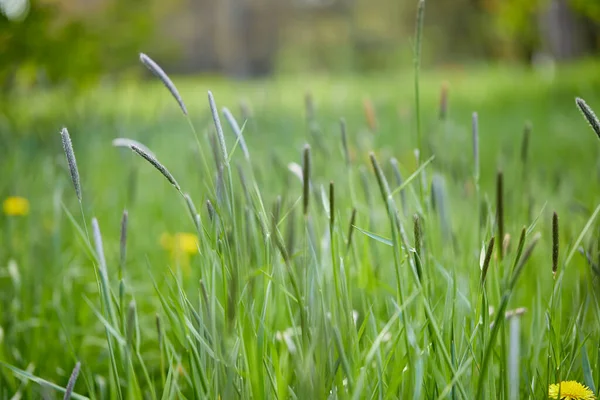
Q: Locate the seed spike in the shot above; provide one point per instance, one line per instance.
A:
(331, 206)
(418, 235)
(156, 164)
(500, 211)
(72, 381)
(487, 259)
(160, 74)
(351, 228)
(218, 126)
(68, 148)
(589, 115)
(306, 178)
(555, 238)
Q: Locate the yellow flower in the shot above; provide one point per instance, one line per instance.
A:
(182, 242)
(181, 246)
(16, 206)
(570, 390)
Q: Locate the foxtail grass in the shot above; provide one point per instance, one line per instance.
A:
(351, 229)
(156, 164)
(418, 240)
(218, 127)
(72, 381)
(485, 265)
(164, 78)
(305, 178)
(500, 212)
(555, 244)
(589, 115)
(68, 148)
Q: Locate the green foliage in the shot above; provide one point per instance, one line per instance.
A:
(45, 48)
(589, 8)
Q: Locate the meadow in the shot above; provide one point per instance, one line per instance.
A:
(318, 257)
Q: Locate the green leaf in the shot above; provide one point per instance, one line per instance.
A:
(380, 239)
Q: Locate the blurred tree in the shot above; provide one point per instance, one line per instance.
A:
(42, 47)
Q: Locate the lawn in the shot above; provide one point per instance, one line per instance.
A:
(280, 270)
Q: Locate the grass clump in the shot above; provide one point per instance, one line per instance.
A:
(288, 282)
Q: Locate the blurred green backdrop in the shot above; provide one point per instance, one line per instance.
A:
(78, 42)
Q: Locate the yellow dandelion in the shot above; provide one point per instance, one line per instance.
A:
(186, 242)
(16, 206)
(181, 246)
(570, 390)
(182, 242)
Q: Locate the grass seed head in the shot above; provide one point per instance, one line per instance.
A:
(306, 178)
(351, 228)
(72, 381)
(218, 126)
(160, 74)
(500, 210)
(487, 259)
(68, 148)
(156, 164)
(589, 115)
(331, 205)
(555, 238)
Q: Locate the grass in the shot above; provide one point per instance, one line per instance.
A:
(332, 277)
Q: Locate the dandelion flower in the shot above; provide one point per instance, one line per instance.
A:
(16, 206)
(570, 390)
(181, 246)
(186, 242)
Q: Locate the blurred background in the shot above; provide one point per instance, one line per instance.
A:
(80, 42)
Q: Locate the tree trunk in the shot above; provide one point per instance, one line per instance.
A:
(562, 31)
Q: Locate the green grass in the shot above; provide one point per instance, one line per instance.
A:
(275, 303)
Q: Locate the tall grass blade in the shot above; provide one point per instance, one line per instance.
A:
(123, 243)
(345, 142)
(237, 131)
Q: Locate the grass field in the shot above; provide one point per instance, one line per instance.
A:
(274, 290)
